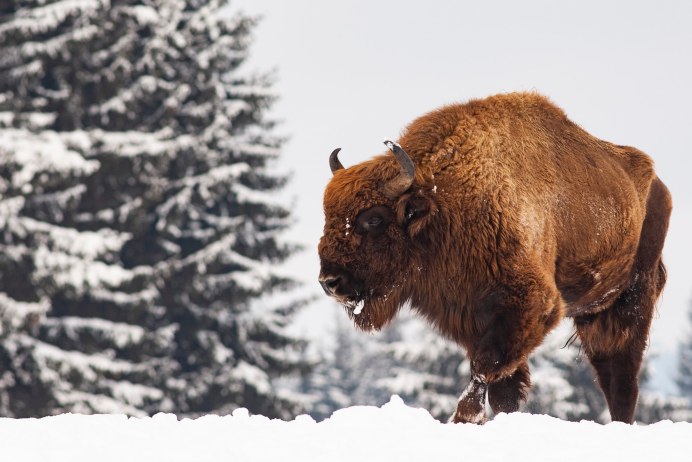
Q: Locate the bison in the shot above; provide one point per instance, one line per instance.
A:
(493, 220)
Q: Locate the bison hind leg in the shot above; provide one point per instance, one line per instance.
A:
(615, 339)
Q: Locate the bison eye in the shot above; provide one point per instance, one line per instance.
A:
(374, 221)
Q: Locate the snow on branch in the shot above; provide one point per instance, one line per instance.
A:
(88, 366)
(120, 334)
(144, 14)
(65, 270)
(88, 245)
(247, 373)
(134, 143)
(33, 50)
(81, 402)
(16, 314)
(35, 153)
(43, 19)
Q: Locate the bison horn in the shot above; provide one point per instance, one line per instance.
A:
(396, 187)
(334, 162)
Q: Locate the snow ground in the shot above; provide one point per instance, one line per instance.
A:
(392, 432)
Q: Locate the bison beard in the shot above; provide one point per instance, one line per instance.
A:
(495, 219)
(376, 308)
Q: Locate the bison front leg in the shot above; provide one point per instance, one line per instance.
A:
(512, 322)
(504, 395)
(471, 407)
(513, 325)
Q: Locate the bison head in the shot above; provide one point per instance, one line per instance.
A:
(370, 252)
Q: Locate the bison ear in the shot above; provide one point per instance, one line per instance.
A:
(414, 212)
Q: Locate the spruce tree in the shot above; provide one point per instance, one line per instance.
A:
(407, 359)
(138, 227)
(427, 370)
(432, 372)
(563, 384)
(335, 379)
(684, 373)
(353, 372)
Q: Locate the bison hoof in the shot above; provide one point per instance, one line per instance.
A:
(471, 407)
(479, 418)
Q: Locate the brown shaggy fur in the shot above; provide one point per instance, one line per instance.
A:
(516, 218)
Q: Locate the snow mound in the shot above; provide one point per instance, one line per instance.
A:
(392, 432)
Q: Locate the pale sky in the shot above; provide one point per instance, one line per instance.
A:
(351, 73)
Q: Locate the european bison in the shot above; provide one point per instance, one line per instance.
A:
(493, 220)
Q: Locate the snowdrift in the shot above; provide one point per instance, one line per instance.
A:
(393, 432)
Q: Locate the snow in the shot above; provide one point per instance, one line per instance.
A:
(392, 432)
(145, 14)
(36, 153)
(121, 334)
(48, 17)
(127, 392)
(88, 245)
(16, 313)
(247, 373)
(82, 275)
(88, 365)
(390, 144)
(133, 143)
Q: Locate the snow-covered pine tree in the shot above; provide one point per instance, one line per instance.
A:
(684, 372)
(379, 363)
(427, 370)
(431, 373)
(653, 407)
(331, 384)
(138, 225)
(350, 373)
(563, 384)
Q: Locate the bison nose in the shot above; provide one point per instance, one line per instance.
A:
(329, 284)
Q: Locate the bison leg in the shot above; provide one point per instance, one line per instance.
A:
(615, 339)
(624, 384)
(602, 365)
(471, 407)
(513, 320)
(515, 324)
(505, 395)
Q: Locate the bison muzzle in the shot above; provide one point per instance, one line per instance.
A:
(493, 220)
